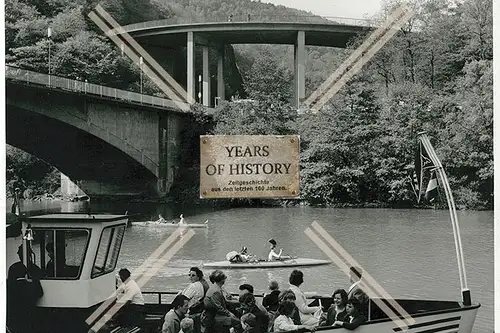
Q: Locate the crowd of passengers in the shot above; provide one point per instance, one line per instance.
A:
(206, 307)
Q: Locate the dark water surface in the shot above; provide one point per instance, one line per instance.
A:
(410, 253)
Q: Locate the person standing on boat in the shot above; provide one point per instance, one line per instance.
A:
(272, 254)
(173, 318)
(49, 267)
(354, 316)
(309, 315)
(337, 311)
(129, 297)
(23, 292)
(355, 290)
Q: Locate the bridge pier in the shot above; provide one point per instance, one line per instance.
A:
(299, 58)
(190, 66)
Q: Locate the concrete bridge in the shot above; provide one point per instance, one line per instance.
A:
(109, 141)
(115, 142)
(162, 34)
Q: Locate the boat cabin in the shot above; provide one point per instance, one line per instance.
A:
(77, 256)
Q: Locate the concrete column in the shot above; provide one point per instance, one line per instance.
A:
(299, 66)
(221, 91)
(190, 66)
(206, 78)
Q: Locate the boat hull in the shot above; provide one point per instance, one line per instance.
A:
(460, 320)
(298, 262)
(153, 224)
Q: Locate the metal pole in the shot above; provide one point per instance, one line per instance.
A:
(453, 216)
(141, 61)
(49, 35)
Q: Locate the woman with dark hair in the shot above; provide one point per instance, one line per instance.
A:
(216, 317)
(249, 305)
(337, 310)
(195, 291)
(309, 315)
(286, 295)
(354, 317)
(284, 322)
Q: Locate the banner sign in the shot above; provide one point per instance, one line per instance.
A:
(249, 166)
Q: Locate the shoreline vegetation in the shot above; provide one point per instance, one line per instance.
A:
(435, 75)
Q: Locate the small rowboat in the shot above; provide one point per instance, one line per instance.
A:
(170, 225)
(268, 264)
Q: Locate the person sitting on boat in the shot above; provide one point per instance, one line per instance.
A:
(235, 256)
(249, 305)
(354, 316)
(216, 314)
(173, 318)
(187, 325)
(271, 300)
(161, 219)
(284, 322)
(309, 315)
(249, 323)
(129, 298)
(49, 267)
(273, 255)
(337, 311)
(195, 291)
(355, 290)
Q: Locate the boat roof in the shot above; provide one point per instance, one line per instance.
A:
(76, 217)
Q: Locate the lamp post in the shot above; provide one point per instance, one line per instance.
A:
(200, 88)
(141, 61)
(49, 35)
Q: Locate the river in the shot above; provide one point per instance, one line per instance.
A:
(410, 253)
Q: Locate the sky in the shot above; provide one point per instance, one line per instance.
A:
(339, 8)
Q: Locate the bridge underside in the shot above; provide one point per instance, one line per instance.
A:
(99, 168)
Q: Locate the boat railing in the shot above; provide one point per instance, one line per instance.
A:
(163, 295)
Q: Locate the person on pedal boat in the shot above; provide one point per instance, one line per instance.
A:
(182, 221)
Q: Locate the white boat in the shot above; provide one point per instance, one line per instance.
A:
(297, 262)
(154, 224)
(86, 249)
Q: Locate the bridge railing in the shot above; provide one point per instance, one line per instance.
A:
(254, 18)
(19, 74)
(84, 87)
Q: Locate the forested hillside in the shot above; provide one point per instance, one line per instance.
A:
(435, 75)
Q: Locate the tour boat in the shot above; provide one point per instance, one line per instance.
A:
(86, 250)
(297, 262)
(154, 224)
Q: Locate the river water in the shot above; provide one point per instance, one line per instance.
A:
(410, 253)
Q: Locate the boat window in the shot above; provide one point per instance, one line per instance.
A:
(108, 250)
(59, 253)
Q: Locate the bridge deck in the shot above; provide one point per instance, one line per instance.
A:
(161, 33)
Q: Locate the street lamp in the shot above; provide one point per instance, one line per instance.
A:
(141, 61)
(200, 88)
(49, 35)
